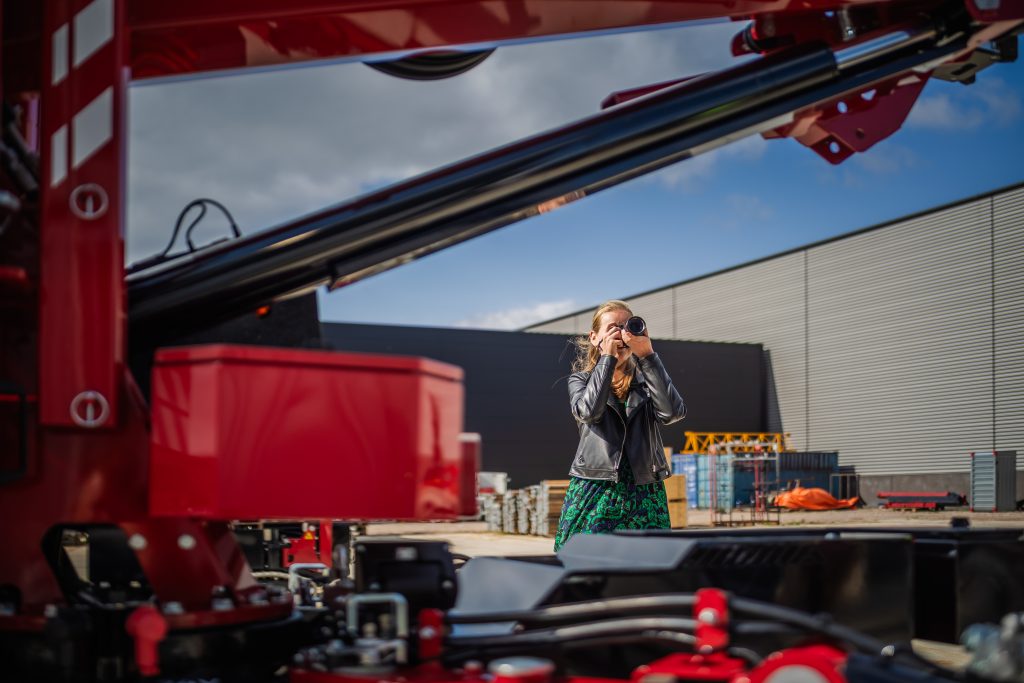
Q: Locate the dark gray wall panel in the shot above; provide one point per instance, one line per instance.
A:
(516, 394)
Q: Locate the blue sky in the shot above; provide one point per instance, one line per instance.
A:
(275, 145)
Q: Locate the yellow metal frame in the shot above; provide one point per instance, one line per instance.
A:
(739, 442)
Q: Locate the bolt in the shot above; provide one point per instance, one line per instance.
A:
(428, 633)
(50, 611)
(888, 651)
(222, 604)
(137, 542)
(186, 541)
(447, 585)
(173, 608)
(708, 616)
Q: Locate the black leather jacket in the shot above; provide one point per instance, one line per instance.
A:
(606, 433)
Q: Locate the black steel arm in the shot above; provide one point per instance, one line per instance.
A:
(444, 207)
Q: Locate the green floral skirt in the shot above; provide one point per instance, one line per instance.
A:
(594, 506)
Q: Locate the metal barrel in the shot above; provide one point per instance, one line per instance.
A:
(441, 208)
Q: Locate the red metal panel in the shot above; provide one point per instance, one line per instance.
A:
(73, 478)
(172, 38)
(81, 347)
(368, 437)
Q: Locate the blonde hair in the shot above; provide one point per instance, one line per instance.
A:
(587, 354)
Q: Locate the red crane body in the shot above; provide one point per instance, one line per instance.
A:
(85, 447)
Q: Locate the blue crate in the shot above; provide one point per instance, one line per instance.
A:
(686, 463)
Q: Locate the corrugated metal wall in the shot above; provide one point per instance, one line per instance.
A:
(900, 329)
(1008, 219)
(902, 347)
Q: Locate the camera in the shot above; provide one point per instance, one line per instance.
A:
(635, 326)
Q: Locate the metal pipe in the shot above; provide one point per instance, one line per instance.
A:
(849, 57)
(444, 207)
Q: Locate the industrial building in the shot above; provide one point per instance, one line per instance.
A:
(900, 345)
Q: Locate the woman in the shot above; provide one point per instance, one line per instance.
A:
(618, 395)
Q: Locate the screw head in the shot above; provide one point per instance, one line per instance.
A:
(708, 616)
(186, 541)
(173, 608)
(137, 542)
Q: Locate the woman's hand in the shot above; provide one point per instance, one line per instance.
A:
(640, 345)
(610, 345)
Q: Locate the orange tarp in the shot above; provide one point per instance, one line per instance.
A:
(812, 499)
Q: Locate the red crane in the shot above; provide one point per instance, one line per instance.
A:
(154, 479)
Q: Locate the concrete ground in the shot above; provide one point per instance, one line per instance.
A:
(472, 538)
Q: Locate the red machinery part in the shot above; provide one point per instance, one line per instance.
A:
(368, 437)
(147, 627)
(809, 664)
(711, 610)
(82, 342)
(302, 550)
(710, 668)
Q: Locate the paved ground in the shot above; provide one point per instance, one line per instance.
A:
(472, 538)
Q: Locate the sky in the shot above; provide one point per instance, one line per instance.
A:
(275, 145)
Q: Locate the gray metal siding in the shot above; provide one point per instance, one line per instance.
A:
(900, 344)
(560, 326)
(1008, 221)
(656, 309)
(763, 301)
(903, 348)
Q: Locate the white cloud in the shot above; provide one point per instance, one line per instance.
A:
(886, 158)
(280, 144)
(690, 174)
(987, 102)
(519, 317)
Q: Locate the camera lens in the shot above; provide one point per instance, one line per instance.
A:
(636, 325)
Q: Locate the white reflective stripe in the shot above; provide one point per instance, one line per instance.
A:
(58, 156)
(92, 127)
(59, 53)
(94, 27)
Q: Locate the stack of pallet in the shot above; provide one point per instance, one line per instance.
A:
(675, 487)
(535, 510)
(526, 501)
(491, 507)
(549, 505)
(510, 513)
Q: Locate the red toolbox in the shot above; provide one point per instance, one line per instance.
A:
(244, 432)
